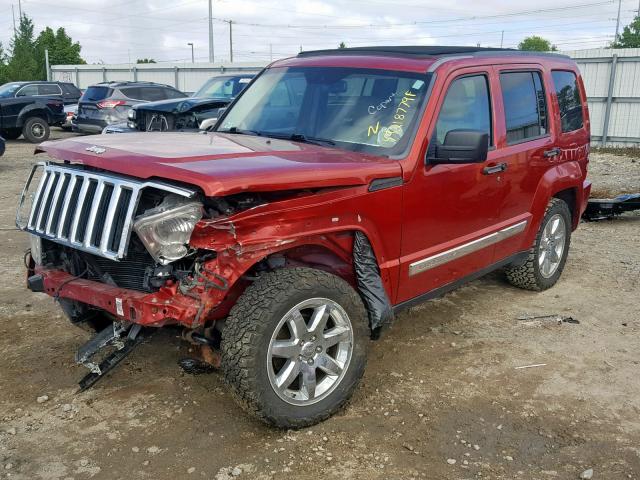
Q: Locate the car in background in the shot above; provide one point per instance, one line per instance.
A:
(70, 111)
(26, 110)
(65, 91)
(200, 111)
(107, 103)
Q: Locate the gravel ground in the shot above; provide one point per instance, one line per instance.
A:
(442, 398)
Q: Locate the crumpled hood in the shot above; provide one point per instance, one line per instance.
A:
(223, 164)
(181, 105)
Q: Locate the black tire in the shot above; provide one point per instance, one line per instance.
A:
(35, 130)
(11, 133)
(248, 332)
(529, 275)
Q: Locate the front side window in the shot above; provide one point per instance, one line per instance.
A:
(357, 109)
(525, 107)
(466, 107)
(566, 85)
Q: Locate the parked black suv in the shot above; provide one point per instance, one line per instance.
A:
(199, 111)
(107, 103)
(26, 109)
(65, 91)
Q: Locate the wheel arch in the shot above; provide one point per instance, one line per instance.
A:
(31, 111)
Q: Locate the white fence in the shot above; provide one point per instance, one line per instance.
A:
(612, 81)
(187, 77)
(611, 77)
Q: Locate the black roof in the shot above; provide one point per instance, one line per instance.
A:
(24, 82)
(420, 51)
(126, 83)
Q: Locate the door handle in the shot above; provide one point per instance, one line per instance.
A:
(554, 152)
(490, 170)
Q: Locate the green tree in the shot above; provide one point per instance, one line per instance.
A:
(3, 66)
(630, 36)
(145, 60)
(342, 45)
(24, 63)
(536, 44)
(62, 49)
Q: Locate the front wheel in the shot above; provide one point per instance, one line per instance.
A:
(294, 346)
(548, 253)
(35, 130)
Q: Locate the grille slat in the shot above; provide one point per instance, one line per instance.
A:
(89, 211)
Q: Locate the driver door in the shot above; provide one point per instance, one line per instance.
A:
(450, 209)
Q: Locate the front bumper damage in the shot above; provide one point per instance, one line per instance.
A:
(169, 305)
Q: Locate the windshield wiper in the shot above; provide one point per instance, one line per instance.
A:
(299, 137)
(239, 131)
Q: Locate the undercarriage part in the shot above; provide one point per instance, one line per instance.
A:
(121, 337)
(606, 208)
(370, 285)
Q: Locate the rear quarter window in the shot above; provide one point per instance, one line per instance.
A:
(569, 101)
(147, 94)
(95, 94)
(172, 93)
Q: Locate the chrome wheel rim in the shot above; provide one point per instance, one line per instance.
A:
(37, 130)
(309, 351)
(551, 246)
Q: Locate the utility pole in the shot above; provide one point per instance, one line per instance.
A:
(615, 39)
(20, 8)
(502, 39)
(46, 62)
(192, 57)
(210, 31)
(13, 13)
(230, 22)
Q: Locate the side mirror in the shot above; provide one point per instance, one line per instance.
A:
(462, 146)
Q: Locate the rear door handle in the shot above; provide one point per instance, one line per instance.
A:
(490, 170)
(554, 152)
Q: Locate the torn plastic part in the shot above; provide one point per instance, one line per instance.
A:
(370, 285)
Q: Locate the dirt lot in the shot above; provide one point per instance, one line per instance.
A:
(442, 397)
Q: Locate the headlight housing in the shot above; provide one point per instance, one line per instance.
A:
(131, 114)
(166, 229)
(35, 243)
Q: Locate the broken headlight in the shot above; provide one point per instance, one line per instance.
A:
(166, 229)
(35, 245)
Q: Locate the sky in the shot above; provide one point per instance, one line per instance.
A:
(121, 31)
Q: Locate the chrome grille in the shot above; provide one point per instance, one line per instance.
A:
(85, 210)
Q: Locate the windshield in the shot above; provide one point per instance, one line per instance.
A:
(225, 87)
(358, 109)
(9, 89)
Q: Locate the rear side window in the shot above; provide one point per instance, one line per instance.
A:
(49, 89)
(70, 89)
(95, 94)
(566, 85)
(147, 94)
(525, 107)
(28, 91)
(466, 107)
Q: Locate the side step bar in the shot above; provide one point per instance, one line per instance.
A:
(122, 337)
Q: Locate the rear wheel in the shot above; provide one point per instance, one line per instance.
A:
(294, 346)
(35, 130)
(548, 254)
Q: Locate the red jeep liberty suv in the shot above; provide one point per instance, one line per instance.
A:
(340, 187)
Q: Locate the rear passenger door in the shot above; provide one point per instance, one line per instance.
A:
(526, 143)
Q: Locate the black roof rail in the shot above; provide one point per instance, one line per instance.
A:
(424, 51)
